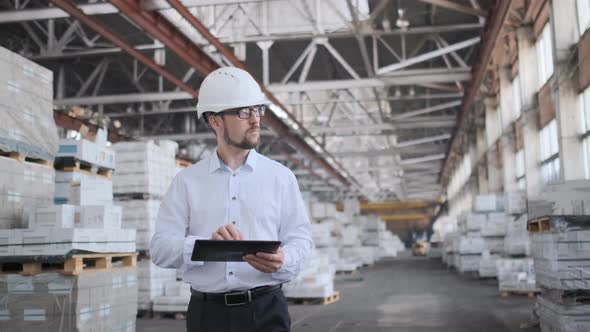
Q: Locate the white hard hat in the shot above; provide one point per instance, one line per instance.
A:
(226, 88)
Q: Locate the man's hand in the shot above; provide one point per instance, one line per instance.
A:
(265, 262)
(227, 232)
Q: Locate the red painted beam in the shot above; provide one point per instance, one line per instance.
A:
(70, 8)
(494, 24)
(158, 27)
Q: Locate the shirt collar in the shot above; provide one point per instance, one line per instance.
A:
(215, 163)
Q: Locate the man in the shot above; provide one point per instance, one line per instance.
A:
(235, 194)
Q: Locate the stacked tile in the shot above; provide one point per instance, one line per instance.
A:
(144, 172)
(98, 301)
(27, 133)
(560, 244)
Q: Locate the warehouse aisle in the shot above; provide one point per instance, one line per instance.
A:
(409, 294)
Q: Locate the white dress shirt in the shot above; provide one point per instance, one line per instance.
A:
(261, 198)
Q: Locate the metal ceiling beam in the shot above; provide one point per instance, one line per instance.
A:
(406, 77)
(498, 14)
(422, 159)
(124, 98)
(427, 56)
(457, 7)
(97, 26)
(195, 136)
(271, 119)
(440, 107)
(409, 143)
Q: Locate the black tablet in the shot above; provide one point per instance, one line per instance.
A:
(230, 251)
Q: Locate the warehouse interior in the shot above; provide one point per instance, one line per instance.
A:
(441, 148)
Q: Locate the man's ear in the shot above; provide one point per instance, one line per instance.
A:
(214, 122)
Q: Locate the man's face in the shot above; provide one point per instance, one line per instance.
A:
(241, 133)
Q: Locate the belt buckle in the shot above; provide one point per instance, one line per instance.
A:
(246, 295)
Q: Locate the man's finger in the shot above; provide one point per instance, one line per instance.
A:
(261, 267)
(261, 261)
(269, 257)
(224, 233)
(216, 236)
(234, 232)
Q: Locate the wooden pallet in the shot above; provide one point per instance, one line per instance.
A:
(71, 164)
(183, 163)
(173, 315)
(74, 265)
(530, 294)
(315, 300)
(135, 196)
(539, 225)
(21, 157)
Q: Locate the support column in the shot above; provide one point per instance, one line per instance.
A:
(527, 67)
(482, 172)
(567, 108)
(495, 181)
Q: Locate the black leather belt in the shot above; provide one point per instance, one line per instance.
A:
(236, 298)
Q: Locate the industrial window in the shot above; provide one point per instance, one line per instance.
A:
(520, 170)
(516, 97)
(583, 15)
(549, 152)
(545, 55)
(585, 109)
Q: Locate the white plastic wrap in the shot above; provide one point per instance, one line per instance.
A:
(26, 107)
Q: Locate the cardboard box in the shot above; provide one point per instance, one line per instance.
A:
(82, 149)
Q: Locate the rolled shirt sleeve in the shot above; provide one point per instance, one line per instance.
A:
(294, 232)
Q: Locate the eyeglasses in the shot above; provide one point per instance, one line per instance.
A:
(246, 112)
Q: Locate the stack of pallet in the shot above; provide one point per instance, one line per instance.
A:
(469, 245)
(316, 281)
(560, 246)
(144, 173)
(175, 300)
(47, 284)
(28, 138)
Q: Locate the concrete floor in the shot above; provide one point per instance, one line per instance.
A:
(407, 294)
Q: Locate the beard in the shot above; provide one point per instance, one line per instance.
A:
(245, 143)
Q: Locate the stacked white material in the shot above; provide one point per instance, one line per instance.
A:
(487, 265)
(97, 301)
(515, 202)
(350, 236)
(365, 254)
(488, 203)
(471, 222)
(82, 188)
(322, 234)
(562, 259)
(565, 198)
(177, 295)
(315, 281)
(435, 250)
(450, 242)
(495, 225)
(442, 226)
(389, 245)
(144, 167)
(151, 282)
(141, 215)
(516, 274)
(517, 241)
(96, 152)
(321, 210)
(556, 317)
(26, 110)
(470, 245)
(23, 186)
(468, 263)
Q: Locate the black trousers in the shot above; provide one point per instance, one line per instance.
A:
(267, 313)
